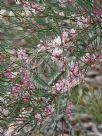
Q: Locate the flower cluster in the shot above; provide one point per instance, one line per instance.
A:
(75, 78)
(32, 7)
(23, 89)
(49, 110)
(83, 21)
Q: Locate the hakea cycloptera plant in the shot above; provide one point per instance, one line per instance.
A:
(46, 50)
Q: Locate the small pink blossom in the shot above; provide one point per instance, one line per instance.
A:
(25, 79)
(57, 41)
(72, 82)
(60, 86)
(71, 1)
(49, 110)
(89, 58)
(69, 109)
(21, 54)
(16, 91)
(57, 52)
(33, 7)
(38, 117)
(10, 75)
(74, 69)
(41, 48)
(19, 90)
(73, 34)
(83, 21)
(26, 6)
(72, 31)
(65, 37)
(17, 2)
(63, 86)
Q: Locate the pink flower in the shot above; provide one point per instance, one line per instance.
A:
(26, 5)
(71, 1)
(83, 21)
(89, 58)
(69, 109)
(74, 69)
(49, 110)
(10, 75)
(60, 86)
(17, 2)
(38, 117)
(72, 31)
(20, 90)
(57, 52)
(73, 82)
(65, 37)
(26, 80)
(21, 53)
(63, 86)
(16, 91)
(41, 48)
(57, 41)
(33, 7)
